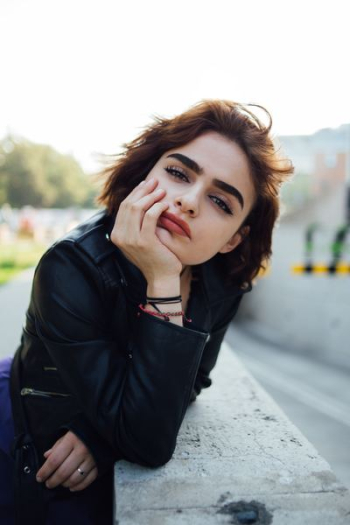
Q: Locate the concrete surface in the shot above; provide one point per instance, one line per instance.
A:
(235, 445)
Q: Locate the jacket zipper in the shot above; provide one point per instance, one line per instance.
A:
(41, 393)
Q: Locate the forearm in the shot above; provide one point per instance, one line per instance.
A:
(157, 392)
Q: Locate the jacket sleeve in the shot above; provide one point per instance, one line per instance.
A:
(211, 350)
(135, 400)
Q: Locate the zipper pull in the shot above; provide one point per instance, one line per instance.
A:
(26, 391)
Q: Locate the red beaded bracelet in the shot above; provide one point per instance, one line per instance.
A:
(166, 315)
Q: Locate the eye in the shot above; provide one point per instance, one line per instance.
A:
(177, 173)
(221, 204)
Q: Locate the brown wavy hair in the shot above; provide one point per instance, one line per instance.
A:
(236, 122)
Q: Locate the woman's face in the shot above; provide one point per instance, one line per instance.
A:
(208, 186)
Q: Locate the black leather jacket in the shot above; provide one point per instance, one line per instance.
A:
(93, 363)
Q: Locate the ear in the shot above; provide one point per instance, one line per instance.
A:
(235, 240)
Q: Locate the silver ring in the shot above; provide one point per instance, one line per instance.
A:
(81, 472)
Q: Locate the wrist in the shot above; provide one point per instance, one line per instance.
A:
(166, 288)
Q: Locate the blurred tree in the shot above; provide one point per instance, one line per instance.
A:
(37, 175)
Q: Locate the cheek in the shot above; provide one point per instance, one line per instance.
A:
(157, 172)
(213, 236)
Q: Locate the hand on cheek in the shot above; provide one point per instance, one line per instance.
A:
(134, 232)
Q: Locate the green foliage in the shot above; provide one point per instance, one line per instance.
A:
(17, 256)
(37, 175)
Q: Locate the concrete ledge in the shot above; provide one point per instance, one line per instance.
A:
(238, 460)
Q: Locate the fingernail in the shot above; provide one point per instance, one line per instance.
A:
(47, 485)
(39, 480)
(150, 181)
(72, 490)
(159, 191)
(142, 183)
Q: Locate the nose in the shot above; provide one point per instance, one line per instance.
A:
(188, 202)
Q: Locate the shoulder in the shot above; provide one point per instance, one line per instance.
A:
(91, 237)
(85, 255)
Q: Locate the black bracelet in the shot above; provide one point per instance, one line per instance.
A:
(164, 300)
(155, 307)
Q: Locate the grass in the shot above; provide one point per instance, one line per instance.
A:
(18, 256)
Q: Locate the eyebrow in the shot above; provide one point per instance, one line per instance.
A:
(192, 165)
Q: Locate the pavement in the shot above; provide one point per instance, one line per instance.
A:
(14, 300)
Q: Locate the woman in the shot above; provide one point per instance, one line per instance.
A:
(128, 311)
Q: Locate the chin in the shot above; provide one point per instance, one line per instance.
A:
(182, 252)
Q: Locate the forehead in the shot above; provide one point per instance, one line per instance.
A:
(216, 154)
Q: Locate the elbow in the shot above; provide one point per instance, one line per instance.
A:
(153, 456)
(152, 447)
(158, 461)
(159, 452)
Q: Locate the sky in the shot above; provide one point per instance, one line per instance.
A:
(85, 76)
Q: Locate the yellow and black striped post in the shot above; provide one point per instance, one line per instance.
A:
(338, 246)
(321, 268)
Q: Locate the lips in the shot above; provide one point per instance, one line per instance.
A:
(173, 223)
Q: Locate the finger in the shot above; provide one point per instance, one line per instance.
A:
(48, 452)
(131, 217)
(151, 217)
(55, 445)
(58, 455)
(91, 476)
(142, 189)
(138, 208)
(65, 470)
(145, 202)
(77, 476)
